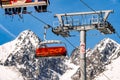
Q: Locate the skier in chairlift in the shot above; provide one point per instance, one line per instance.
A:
(42, 8)
(15, 10)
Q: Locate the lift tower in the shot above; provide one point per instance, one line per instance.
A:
(82, 22)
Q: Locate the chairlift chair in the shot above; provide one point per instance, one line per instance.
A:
(44, 50)
(14, 4)
(25, 3)
(50, 51)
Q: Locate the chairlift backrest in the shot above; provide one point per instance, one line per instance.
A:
(52, 50)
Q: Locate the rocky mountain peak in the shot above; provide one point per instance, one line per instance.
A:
(107, 43)
(20, 53)
(22, 56)
(28, 37)
(98, 57)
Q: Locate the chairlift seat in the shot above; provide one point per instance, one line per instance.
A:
(23, 4)
(51, 51)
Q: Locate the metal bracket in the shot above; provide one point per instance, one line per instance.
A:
(101, 23)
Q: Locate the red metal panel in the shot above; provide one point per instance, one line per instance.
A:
(51, 51)
(27, 1)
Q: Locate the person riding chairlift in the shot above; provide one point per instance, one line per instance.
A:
(44, 7)
(12, 11)
(8, 11)
(41, 8)
(1, 3)
(24, 10)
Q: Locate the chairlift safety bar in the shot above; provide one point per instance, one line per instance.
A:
(51, 42)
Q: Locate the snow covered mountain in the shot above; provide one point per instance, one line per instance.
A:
(20, 55)
(98, 58)
(10, 73)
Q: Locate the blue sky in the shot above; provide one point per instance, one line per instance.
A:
(10, 28)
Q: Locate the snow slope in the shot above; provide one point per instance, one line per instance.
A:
(5, 50)
(112, 71)
(10, 73)
(72, 69)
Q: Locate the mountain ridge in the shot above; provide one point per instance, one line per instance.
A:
(20, 53)
(98, 57)
(23, 57)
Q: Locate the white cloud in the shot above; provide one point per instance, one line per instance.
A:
(7, 31)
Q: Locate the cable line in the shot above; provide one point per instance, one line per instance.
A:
(87, 5)
(118, 35)
(51, 27)
(70, 43)
(39, 19)
(106, 76)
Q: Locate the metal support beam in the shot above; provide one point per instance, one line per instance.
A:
(83, 54)
(103, 26)
(105, 12)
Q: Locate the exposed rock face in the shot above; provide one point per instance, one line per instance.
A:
(32, 68)
(97, 59)
(20, 53)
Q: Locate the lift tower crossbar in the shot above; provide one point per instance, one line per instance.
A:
(85, 21)
(106, 12)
